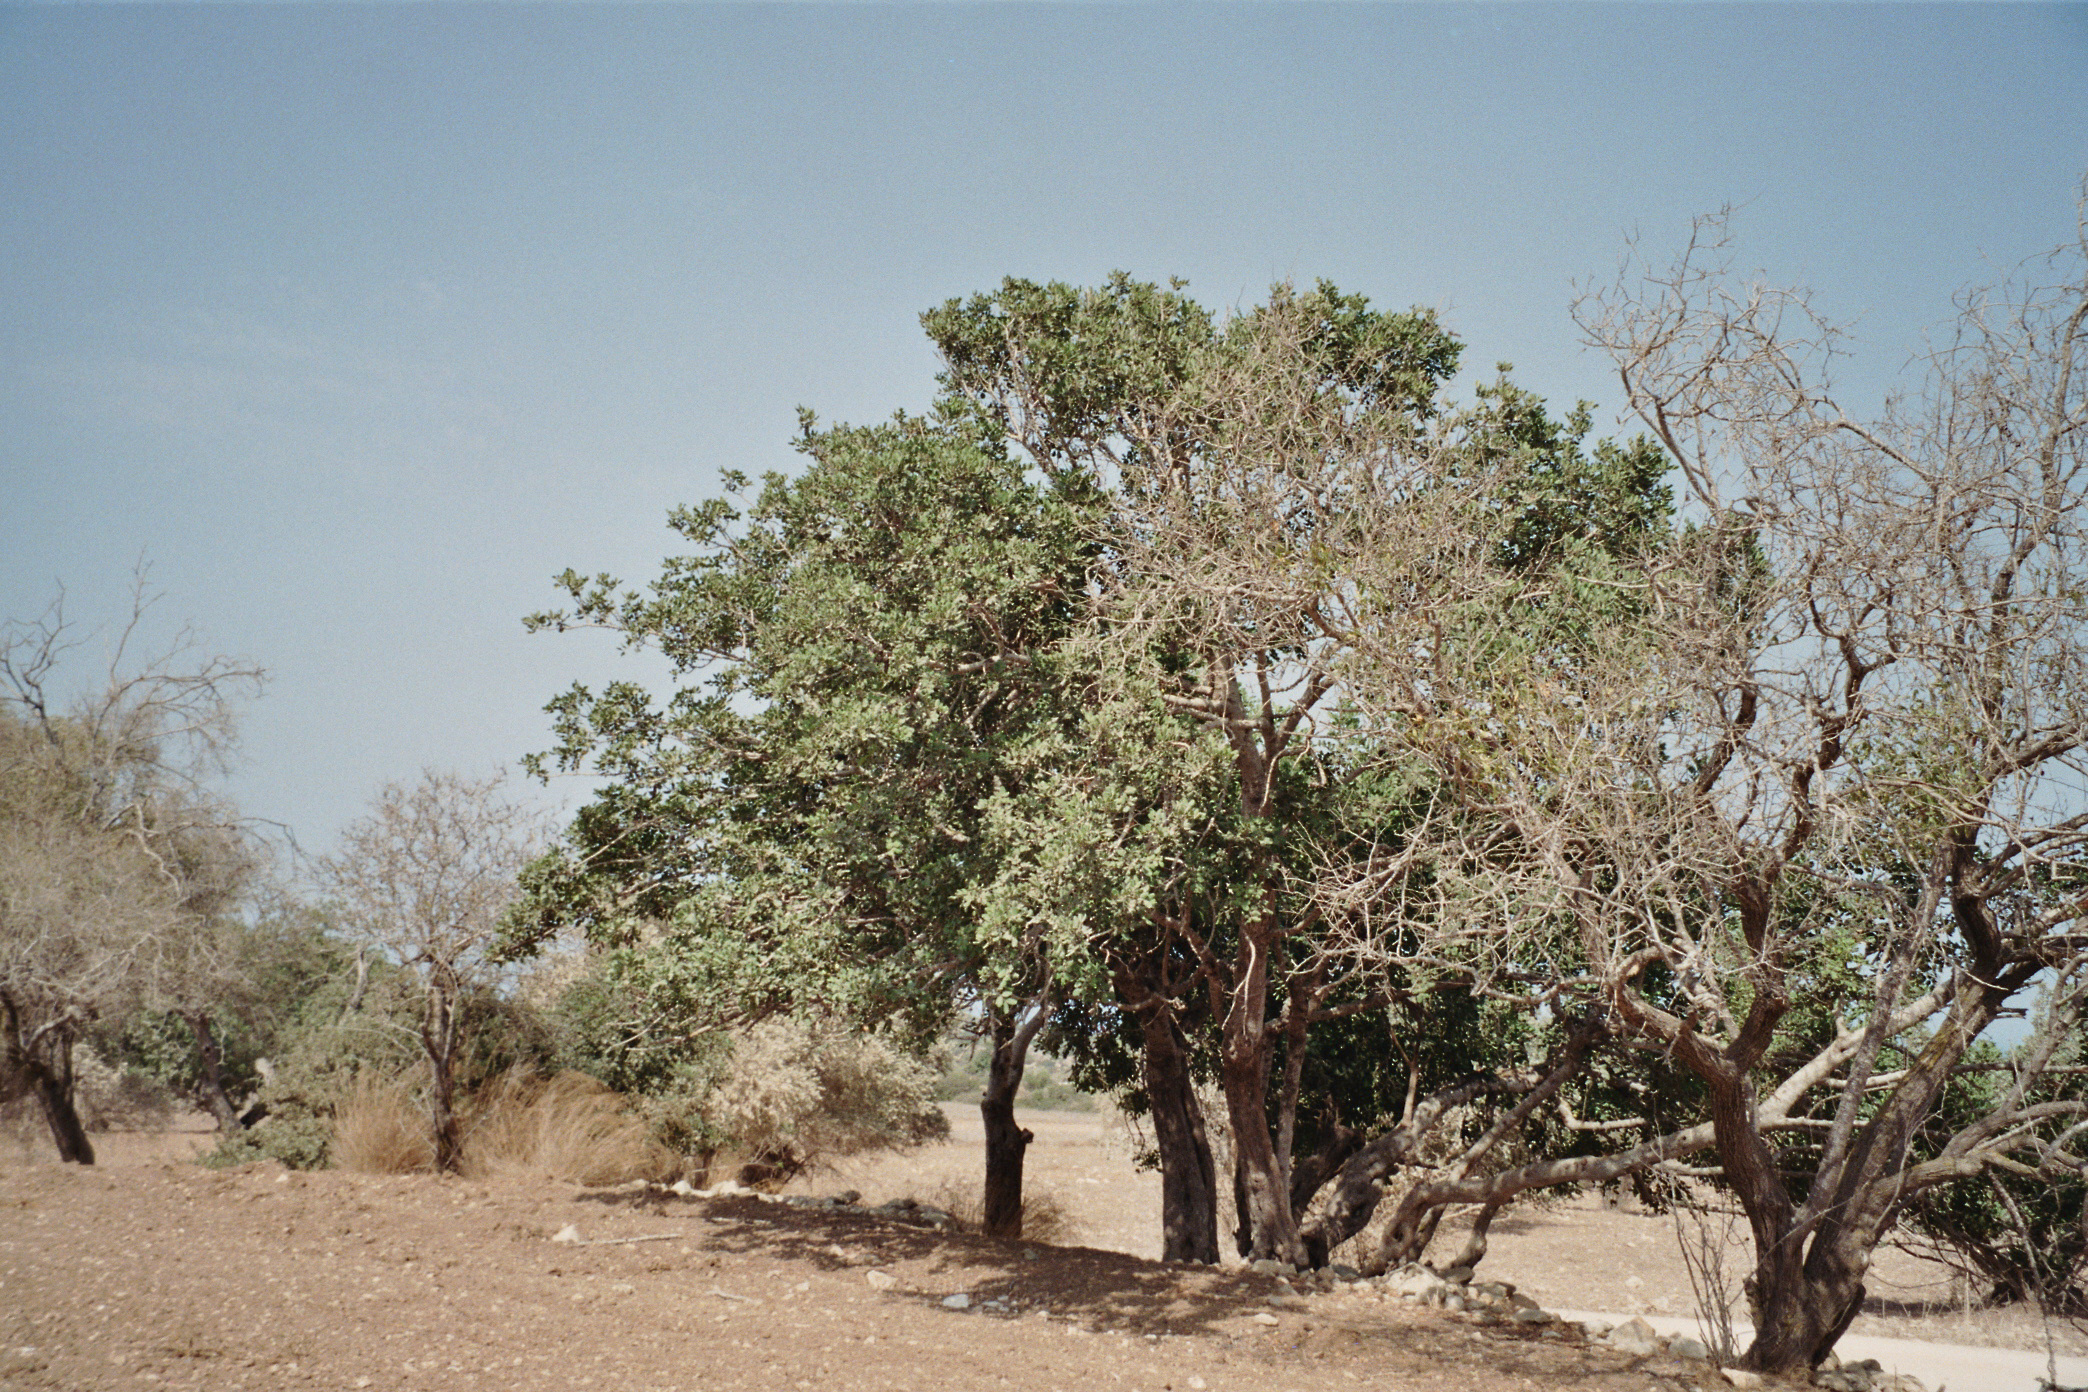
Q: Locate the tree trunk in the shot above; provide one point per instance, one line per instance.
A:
(1263, 1188)
(44, 1061)
(1188, 1175)
(54, 1092)
(1006, 1143)
(211, 1073)
(439, 1039)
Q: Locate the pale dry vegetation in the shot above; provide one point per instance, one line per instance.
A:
(568, 1126)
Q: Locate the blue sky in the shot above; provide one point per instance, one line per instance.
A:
(359, 324)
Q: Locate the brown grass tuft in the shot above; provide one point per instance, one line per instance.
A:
(569, 1127)
(1044, 1218)
(380, 1129)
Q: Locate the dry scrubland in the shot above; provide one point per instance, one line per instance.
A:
(151, 1271)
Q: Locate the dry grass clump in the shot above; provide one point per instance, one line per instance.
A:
(569, 1127)
(1044, 1218)
(379, 1128)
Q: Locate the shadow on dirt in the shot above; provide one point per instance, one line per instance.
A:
(1111, 1292)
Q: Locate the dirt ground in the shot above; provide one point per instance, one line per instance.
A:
(147, 1271)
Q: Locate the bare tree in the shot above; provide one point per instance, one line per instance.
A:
(1812, 810)
(426, 878)
(118, 861)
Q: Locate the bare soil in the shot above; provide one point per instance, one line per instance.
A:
(149, 1271)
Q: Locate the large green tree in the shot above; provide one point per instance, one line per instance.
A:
(865, 659)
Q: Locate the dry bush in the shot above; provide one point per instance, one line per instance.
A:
(798, 1093)
(379, 1128)
(1044, 1217)
(569, 1127)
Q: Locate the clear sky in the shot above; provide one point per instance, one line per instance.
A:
(358, 324)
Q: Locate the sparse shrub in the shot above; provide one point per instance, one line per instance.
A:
(569, 1127)
(796, 1093)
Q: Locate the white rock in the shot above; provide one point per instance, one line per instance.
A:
(959, 1301)
(1533, 1317)
(1264, 1317)
(1633, 1336)
(568, 1233)
(1634, 1282)
(1740, 1377)
(1197, 1384)
(682, 1187)
(880, 1280)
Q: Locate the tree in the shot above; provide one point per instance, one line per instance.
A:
(117, 860)
(869, 636)
(1286, 489)
(426, 879)
(1833, 757)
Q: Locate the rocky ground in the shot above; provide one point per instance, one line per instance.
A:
(148, 1271)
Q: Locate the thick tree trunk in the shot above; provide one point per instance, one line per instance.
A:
(211, 1071)
(1006, 1143)
(1188, 1174)
(54, 1094)
(43, 1060)
(1264, 1189)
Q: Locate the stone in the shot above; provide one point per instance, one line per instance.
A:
(959, 1301)
(1458, 1274)
(1288, 1300)
(1269, 1266)
(1633, 1336)
(1682, 1346)
(1345, 1273)
(1533, 1316)
(1634, 1282)
(1264, 1317)
(1740, 1377)
(568, 1233)
(1197, 1384)
(880, 1280)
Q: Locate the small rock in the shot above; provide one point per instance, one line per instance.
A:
(847, 1197)
(880, 1280)
(1533, 1317)
(1633, 1336)
(1286, 1300)
(959, 1301)
(1453, 1302)
(1197, 1384)
(1264, 1317)
(1634, 1282)
(568, 1233)
(683, 1188)
(1269, 1266)
(622, 1288)
(1459, 1274)
(1682, 1346)
(1345, 1273)
(1740, 1377)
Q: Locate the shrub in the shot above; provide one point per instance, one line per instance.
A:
(379, 1128)
(568, 1126)
(796, 1093)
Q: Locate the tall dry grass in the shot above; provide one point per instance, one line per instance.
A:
(379, 1128)
(566, 1127)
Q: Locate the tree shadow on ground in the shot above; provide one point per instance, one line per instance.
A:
(1111, 1292)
